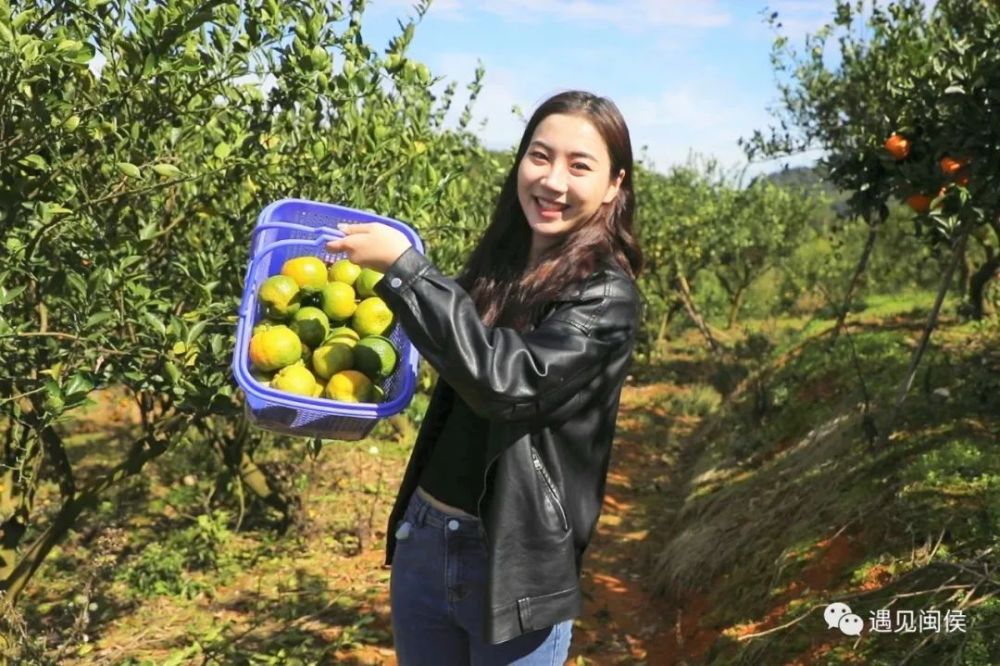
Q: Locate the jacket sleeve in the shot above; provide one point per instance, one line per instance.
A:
(502, 373)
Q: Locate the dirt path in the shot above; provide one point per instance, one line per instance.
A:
(625, 621)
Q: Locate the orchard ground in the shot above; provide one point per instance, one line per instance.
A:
(738, 506)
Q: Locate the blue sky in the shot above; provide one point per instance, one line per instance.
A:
(689, 75)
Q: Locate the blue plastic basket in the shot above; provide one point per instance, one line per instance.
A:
(291, 228)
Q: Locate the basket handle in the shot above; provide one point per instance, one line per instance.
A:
(292, 226)
(320, 240)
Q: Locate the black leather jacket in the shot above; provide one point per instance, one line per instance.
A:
(551, 395)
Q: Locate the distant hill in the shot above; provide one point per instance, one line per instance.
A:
(802, 176)
(810, 178)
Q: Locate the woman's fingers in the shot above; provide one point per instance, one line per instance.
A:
(337, 245)
(356, 228)
(372, 245)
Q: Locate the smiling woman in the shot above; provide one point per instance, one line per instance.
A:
(531, 342)
(564, 179)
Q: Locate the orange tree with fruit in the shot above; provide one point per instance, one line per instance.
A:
(904, 100)
(138, 143)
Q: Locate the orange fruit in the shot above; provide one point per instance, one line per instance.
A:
(337, 300)
(311, 325)
(309, 272)
(344, 335)
(274, 349)
(331, 358)
(344, 270)
(349, 386)
(365, 284)
(950, 165)
(898, 146)
(280, 296)
(295, 379)
(376, 357)
(920, 203)
(372, 317)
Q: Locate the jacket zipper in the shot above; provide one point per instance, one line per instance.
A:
(548, 484)
(551, 487)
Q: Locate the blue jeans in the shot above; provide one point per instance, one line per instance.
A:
(437, 591)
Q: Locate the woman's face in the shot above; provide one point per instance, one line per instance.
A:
(564, 177)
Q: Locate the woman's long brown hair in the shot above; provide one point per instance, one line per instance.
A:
(496, 275)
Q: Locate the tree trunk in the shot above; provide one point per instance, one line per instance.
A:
(22, 463)
(965, 271)
(142, 451)
(14, 584)
(855, 279)
(692, 311)
(239, 462)
(911, 372)
(978, 282)
(734, 307)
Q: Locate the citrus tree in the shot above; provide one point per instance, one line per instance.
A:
(904, 106)
(138, 142)
(678, 217)
(696, 219)
(763, 223)
(903, 100)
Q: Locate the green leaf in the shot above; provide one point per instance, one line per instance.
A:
(98, 318)
(54, 401)
(155, 322)
(69, 45)
(167, 170)
(77, 282)
(148, 231)
(195, 331)
(5, 34)
(23, 18)
(129, 261)
(35, 162)
(129, 169)
(175, 374)
(222, 150)
(78, 384)
(8, 295)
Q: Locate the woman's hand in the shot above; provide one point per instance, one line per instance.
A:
(371, 245)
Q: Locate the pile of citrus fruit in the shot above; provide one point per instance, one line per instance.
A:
(325, 333)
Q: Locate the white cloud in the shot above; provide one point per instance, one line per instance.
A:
(676, 124)
(445, 9)
(633, 15)
(672, 122)
(695, 116)
(503, 88)
(673, 125)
